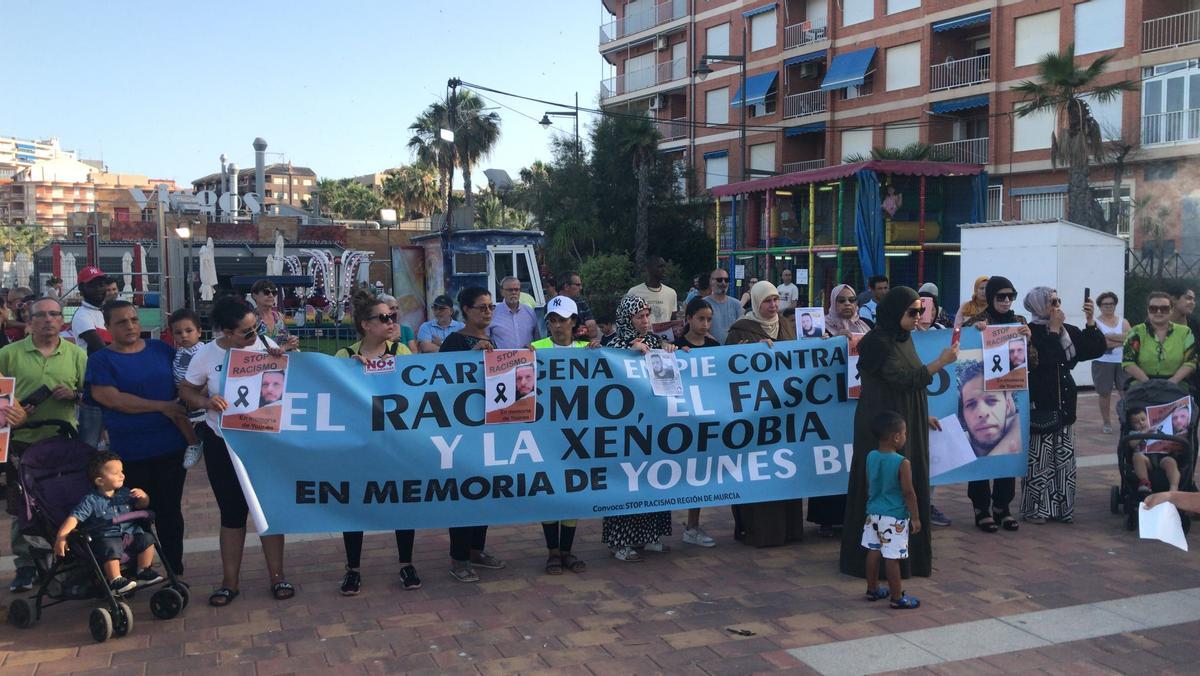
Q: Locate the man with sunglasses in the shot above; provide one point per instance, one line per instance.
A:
(514, 325)
(726, 309)
(1159, 348)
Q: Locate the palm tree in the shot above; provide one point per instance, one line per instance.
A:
(412, 189)
(912, 152)
(639, 140)
(1061, 88)
(476, 132)
(430, 149)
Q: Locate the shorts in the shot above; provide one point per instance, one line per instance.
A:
(1107, 376)
(886, 534)
(112, 548)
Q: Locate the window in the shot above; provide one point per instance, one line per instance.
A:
(856, 142)
(1163, 170)
(308, 181)
(716, 40)
(1099, 25)
(716, 171)
(762, 31)
(903, 66)
(894, 6)
(148, 215)
(1037, 35)
(716, 106)
(902, 134)
(762, 156)
(857, 11)
(470, 263)
(1108, 116)
(639, 72)
(1032, 132)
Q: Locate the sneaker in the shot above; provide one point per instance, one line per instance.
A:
(697, 536)
(351, 582)
(628, 554)
(122, 585)
(485, 560)
(148, 576)
(192, 455)
(1144, 489)
(409, 579)
(1108, 429)
(463, 572)
(23, 580)
(656, 546)
(937, 517)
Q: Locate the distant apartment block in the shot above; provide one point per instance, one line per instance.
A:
(16, 154)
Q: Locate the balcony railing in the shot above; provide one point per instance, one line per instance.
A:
(1041, 207)
(1171, 31)
(995, 195)
(1181, 126)
(969, 151)
(793, 167)
(1124, 213)
(960, 73)
(805, 33)
(644, 78)
(661, 13)
(671, 130)
(805, 103)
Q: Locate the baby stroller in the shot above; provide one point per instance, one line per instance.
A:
(52, 475)
(1144, 395)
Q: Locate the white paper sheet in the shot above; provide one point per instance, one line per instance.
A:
(949, 448)
(1161, 522)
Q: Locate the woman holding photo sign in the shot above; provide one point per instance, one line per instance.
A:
(893, 379)
(379, 328)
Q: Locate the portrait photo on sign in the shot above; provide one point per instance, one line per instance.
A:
(990, 419)
(853, 378)
(255, 387)
(664, 373)
(510, 386)
(1005, 358)
(1174, 418)
(810, 322)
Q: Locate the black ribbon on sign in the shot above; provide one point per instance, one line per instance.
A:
(996, 364)
(242, 391)
(500, 396)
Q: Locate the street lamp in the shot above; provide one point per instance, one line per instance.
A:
(703, 70)
(185, 233)
(545, 122)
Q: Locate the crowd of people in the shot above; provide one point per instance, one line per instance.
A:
(157, 406)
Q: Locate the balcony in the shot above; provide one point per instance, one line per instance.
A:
(1181, 126)
(1175, 30)
(805, 33)
(1042, 207)
(644, 78)
(637, 22)
(960, 72)
(807, 165)
(671, 130)
(805, 103)
(967, 151)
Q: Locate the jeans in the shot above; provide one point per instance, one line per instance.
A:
(91, 424)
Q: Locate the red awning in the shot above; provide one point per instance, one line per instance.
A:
(895, 167)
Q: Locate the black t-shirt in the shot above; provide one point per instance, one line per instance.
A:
(682, 341)
(459, 342)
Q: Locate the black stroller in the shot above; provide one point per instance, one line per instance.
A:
(52, 474)
(1145, 395)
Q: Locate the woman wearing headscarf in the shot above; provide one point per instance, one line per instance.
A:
(893, 379)
(765, 524)
(841, 320)
(1048, 492)
(976, 304)
(624, 534)
(991, 499)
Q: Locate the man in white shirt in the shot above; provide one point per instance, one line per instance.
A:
(878, 286)
(87, 325)
(662, 299)
(789, 293)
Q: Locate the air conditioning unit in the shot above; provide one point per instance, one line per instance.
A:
(808, 69)
(660, 43)
(658, 102)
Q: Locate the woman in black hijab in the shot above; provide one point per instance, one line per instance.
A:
(893, 379)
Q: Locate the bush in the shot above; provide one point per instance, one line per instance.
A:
(606, 278)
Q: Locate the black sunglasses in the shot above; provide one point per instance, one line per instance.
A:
(1159, 309)
(249, 334)
(386, 319)
(914, 312)
(490, 307)
(1006, 296)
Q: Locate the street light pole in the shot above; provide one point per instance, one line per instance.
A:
(545, 122)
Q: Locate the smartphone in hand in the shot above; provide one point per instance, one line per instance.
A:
(956, 336)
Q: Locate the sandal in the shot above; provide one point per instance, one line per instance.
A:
(554, 565)
(1007, 522)
(879, 594)
(985, 523)
(905, 602)
(222, 597)
(573, 563)
(283, 590)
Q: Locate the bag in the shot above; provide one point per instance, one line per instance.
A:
(1045, 422)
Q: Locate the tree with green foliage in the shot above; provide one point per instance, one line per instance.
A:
(638, 139)
(28, 239)
(607, 278)
(476, 133)
(412, 190)
(348, 199)
(922, 152)
(426, 143)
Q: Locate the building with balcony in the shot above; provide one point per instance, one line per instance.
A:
(17, 154)
(285, 184)
(826, 81)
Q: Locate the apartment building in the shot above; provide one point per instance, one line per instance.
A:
(285, 183)
(17, 154)
(829, 79)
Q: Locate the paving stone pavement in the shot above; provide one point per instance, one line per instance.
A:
(728, 609)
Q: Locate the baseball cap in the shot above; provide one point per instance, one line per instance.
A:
(562, 306)
(929, 288)
(89, 273)
(443, 301)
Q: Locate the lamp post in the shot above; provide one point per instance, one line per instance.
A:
(185, 233)
(545, 122)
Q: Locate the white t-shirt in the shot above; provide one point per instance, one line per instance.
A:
(663, 301)
(788, 295)
(89, 318)
(205, 369)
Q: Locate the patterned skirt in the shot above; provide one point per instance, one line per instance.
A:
(1049, 488)
(635, 530)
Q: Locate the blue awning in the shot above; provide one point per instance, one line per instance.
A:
(848, 69)
(815, 128)
(757, 86)
(716, 154)
(963, 21)
(759, 10)
(805, 58)
(1039, 190)
(960, 104)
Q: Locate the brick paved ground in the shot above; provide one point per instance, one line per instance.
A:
(672, 614)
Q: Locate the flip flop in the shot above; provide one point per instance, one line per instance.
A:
(222, 597)
(283, 590)
(879, 594)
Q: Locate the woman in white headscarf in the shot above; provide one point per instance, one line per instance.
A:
(842, 318)
(764, 322)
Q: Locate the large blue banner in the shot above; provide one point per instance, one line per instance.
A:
(408, 449)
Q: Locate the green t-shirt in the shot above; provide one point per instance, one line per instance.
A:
(545, 343)
(1159, 360)
(66, 366)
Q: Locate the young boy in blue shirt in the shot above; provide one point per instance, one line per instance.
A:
(96, 512)
(891, 510)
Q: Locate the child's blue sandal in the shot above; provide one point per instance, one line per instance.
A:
(906, 602)
(879, 594)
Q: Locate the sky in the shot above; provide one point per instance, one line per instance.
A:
(163, 88)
